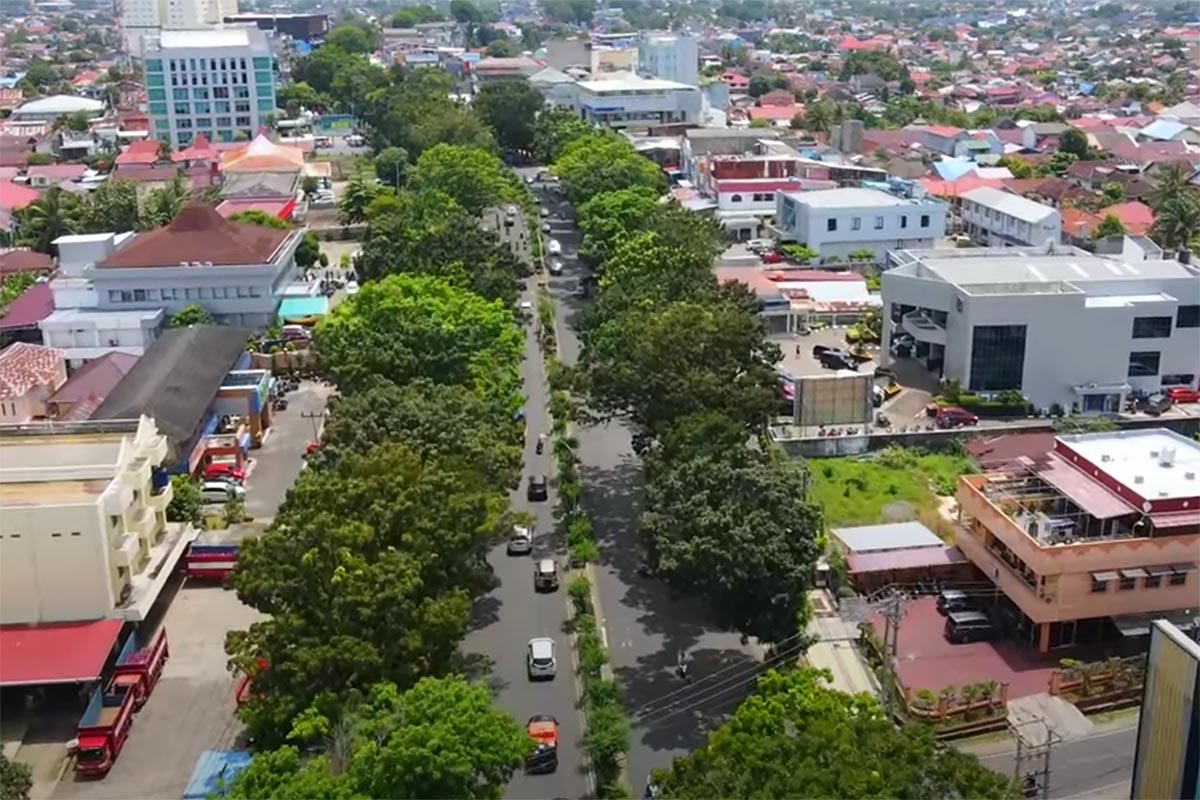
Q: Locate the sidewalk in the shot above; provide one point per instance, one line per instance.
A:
(836, 651)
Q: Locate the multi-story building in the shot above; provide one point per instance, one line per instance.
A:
(995, 218)
(1167, 760)
(1095, 537)
(669, 57)
(1067, 329)
(143, 19)
(219, 82)
(85, 534)
(623, 100)
(838, 222)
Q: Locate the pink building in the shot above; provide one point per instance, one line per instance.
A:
(29, 374)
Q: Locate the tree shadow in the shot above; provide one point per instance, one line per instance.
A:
(485, 612)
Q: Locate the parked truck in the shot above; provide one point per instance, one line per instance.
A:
(103, 730)
(139, 671)
(211, 561)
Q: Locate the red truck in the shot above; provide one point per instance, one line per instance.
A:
(211, 561)
(139, 671)
(103, 731)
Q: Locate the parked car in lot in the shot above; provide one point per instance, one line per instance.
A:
(520, 541)
(955, 417)
(545, 575)
(1156, 404)
(953, 600)
(540, 658)
(772, 257)
(221, 492)
(1182, 394)
(969, 626)
(223, 471)
(537, 488)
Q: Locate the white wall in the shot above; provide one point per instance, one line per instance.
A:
(638, 106)
(878, 229)
(1003, 230)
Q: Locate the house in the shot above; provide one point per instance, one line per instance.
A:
(995, 218)
(1138, 218)
(139, 154)
(46, 175)
(48, 109)
(20, 320)
(88, 386)
(944, 139)
(13, 262)
(624, 99)
(29, 374)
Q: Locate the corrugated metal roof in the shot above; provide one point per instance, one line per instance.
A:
(890, 536)
(63, 652)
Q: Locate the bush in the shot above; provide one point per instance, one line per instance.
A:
(185, 500)
(798, 252)
(323, 259)
(580, 591)
(583, 552)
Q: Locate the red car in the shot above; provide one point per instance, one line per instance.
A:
(955, 417)
(771, 257)
(222, 471)
(1182, 394)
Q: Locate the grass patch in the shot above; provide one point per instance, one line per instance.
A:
(859, 491)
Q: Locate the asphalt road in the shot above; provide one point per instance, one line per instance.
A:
(646, 627)
(1098, 766)
(504, 620)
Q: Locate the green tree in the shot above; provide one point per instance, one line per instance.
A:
(511, 109)
(295, 96)
(554, 130)
(406, 327)
(261, 219)
(1019, 167)
(391, 166)
(732, 525)
(818, 117)
(503, 48)
(1111, 225)
(873, 62)
(575, 12)
(475, 178)
(186, 501)
(1177, 222)
(797, 738)
(77, 122)
(466, 12)
(415, 112)
(16, 779)
(441, 738)
(604, 162)
(360, 191)
(415, 15)
(112, 207)
(1170, 183)
(610, 216)
(164, 203)
(56, 213)
(1075, 142)
(192, 314)
(308, 250)
(354, 36)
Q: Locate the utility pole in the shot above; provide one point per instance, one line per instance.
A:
(1035, 740)
(892, 611)
(313, 416)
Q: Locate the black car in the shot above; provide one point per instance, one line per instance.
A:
(537, 488)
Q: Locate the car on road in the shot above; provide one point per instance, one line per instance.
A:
(955, 417)
(525, 310)
(529, 179)
(1182, 394)
(545, 212)
(537, 490)
(545, 575)
(543, 729)
(771, 257)
(556, 267)
(520, 541)
(221, 471)
(540, 658)
(581, 291)
(554, 247)
(221, 492)
(545, 227)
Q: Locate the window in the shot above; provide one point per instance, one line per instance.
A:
(1187, 317)
(924, 220)
(1099, 586)
(243, 291)
(220, 92)
(1178, 379)
(903, 222)
(221, 106)
(242, 106)
(155, 80)
(241, 92)
(855, 223)
(204, 122)
(1143, 363)
(1127, 584)
(179, 94)
(879, 223)
(242, 121)
(1152, 582)
(737, 198)
(263, 78)
(262, 63)
(1151, 327)
(182, 109)
(202, 107)
(154, 65)
(157, 95)
(266, 104)
(139, 295)
(831, 224)
(255, 291)
(202, 293)
(200, 94)
(997, 357)
(184, 123)
(158, 109)
(1178, 579)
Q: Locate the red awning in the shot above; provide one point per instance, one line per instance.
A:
(66, 652)
(912, 558)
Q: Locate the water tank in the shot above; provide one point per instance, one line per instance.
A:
(1167, 457)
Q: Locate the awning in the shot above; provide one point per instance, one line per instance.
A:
(1136, 572)
(65, 652)
(1159, 570)
(1179, 569)
(1105, 576)
(915, 558)
(1139, 624)
(1084, 492)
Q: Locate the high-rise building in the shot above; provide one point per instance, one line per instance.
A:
(669, 56)
(1167, 761)
(143, 19)
(216, 81)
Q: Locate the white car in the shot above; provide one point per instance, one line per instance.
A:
(221, 492)
(545, 227)
(540, 657)
(521, 540)
(352, 287)
(556, 267)
(554, 247)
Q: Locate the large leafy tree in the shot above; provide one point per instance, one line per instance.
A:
(732, 525)
(112, 207)
(605, 162)
(164, 203)
(391, 167)
(797, 738)
(415, 112)
(511, 109)
(441, 738)
(56, 213)
(1177, 223)
(659, 364)
(554, 130)
(192, 314)
(431, 234)
(360, 192)
(406, 327)
(475, 178)
(16, 779)
(608, 217)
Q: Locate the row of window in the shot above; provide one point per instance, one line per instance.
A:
(831, 224)
(1127, 583)
(1160, 327)
(1146, 363)
(199, 293)
(757, 197)
(205, 123)
(213, 64)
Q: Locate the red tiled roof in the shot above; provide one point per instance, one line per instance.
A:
(945, 131)
(147, 174)
(1138, 218)
(34, 305)
(774, 113)
(1079, 223)
(143, 151)
(199, 150)
(993, 452)
(96, 378)
(13, 196)
(199, 233)
(24, 365)
(280, 209)
(14, 261)
(58, 171)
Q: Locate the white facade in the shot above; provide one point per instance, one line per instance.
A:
(996, 218)
(627, 100)
(1067, 328)
(84, 335)
(215, 81)
(84, 531)
(144, 19)
(669, 56)
(838, 222)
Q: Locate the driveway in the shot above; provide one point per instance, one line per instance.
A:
(505, 619)
(645, 625)
(275, 466)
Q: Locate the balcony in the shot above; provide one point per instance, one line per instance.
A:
(128, 552)
(143, 524)
(923, 329)
(159, 500)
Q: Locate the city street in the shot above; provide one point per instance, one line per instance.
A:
(646, 627)
(513, 613)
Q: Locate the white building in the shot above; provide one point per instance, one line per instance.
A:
(218, 81)
(143, 19)
(1067, 328)
(625, 99)
(85, 533)
(838, 222)
(48, 109)
(996, 218)
(669, 57)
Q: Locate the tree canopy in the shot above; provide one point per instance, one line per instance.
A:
(510, 108)
(474, 177)
(604, 162)
(797, 738)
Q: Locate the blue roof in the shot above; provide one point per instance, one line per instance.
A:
(299, 307)
(214, 772)
(951, 169)
(1163, 129)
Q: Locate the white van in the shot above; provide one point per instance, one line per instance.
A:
(554, 247)
(221, 492)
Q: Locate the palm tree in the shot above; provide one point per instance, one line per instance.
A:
(818, 118)
(946, 697)
(989, 690)
(1172, 181)
(1086, 670)
(1178, 220)
(970, 694)
(56, 213)
(163, 205)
